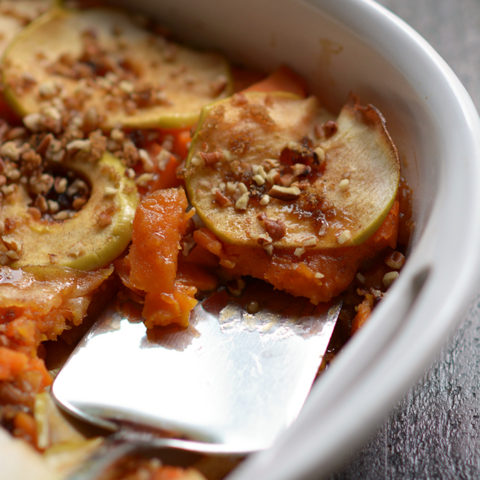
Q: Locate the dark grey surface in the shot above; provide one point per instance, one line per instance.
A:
(434, 432)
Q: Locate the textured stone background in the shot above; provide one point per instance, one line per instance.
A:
(434, 432)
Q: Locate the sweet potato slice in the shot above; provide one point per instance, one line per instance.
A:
(318, 275)
(160, 221)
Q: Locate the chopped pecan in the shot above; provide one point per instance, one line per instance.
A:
(211, 158)
(284, 193)
(222, 199)
(330, 127)
(104, 218)
(275, 228)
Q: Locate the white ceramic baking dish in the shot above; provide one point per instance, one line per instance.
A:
(344, 46)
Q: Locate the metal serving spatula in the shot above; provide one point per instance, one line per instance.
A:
(230, 383)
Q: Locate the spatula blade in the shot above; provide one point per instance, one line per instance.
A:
(232, 378)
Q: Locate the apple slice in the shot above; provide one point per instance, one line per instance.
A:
(97, 234)
(275, 169)
(100, 58)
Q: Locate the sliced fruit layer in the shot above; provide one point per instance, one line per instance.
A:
(272, 169)
(100, 58)
(93, 237)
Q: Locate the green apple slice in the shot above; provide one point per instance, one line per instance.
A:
(101, 59)
(93, 237)
(268, 169)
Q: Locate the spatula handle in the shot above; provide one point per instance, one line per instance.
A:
(107, 454)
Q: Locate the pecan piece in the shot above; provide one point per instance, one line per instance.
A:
(275, 228)
(211, 158)
(284, 193)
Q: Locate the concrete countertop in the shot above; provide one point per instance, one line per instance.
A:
(434, 432)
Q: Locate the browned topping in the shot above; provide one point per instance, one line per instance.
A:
(98, 145)
(239, 145)
(310, 242)
(8, 190)
(63, 215)
(34, 157)
(78, 187)
(284, 193)
(48, 90)
(344, 236)
(44, 144)
(31, 160)
(268, 249)
(9, 225)
(299, 251)
(264, 200)
(144, 179)
(222, 199)
(13, 133)
(104, 218)
(35, 213)
(236, 287)
(118, 77)
(344, 184)
(395, 260)
(242, 202)
(389, 278)
(321, 155)
(286, 179)
(41, 203)
(129, 153)
(78, 203)
(41, 184)
(60, 184)
(211, 158)
(258, 113)
(302, 160)
(23, 84)
(10, 150)
(227, 263)
(300, 170)
(91, 119)
(148, 164)
(273, 176)
(33, 122)
(258, 179)
(77, 252)
(167, 143)
(275, 228)
(53, 206)
(79, 145)
(330, 127)
(264, 239)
